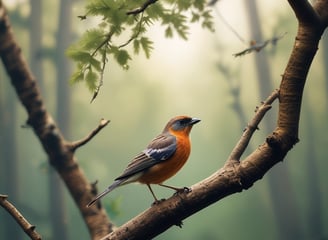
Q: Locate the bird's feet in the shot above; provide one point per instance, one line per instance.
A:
(183, 190)
(179, 224)
(158, 201)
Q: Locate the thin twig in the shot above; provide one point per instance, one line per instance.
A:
(225, 22)
(101, 80)
(142, 8)
(251, 127)
(19, 218)
(135, 35)
(74, 145)
(255, 46)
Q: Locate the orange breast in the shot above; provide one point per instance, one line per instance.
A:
(166, 169)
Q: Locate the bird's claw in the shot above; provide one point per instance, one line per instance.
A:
(183, 190)
(158, 201)
(179, 224)
(187, 189)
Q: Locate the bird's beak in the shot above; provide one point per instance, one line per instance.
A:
(194, 121)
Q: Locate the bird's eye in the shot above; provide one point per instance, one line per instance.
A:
(184, 121)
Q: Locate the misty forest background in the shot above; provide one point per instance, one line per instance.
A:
(180, 77)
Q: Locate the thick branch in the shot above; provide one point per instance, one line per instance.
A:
(59, 151)
(19, 218)
(232, 178)
(293, 80)
(304, 11)
(237, 176)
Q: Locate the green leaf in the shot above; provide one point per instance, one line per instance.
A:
(121, 56)
(91, 79)
(199, 4)
(77, 76)
(95, 63)
(183, 5)
(208, 20)
(178, 22)
(92, 38)
(146, 45)
(155, 11)
(98, 7)
(78, 55)
(195, 17)
(168, 32)
(136, 46)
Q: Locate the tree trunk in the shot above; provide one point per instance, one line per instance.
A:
(281, 192)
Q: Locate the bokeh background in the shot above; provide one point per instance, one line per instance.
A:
(181, 77)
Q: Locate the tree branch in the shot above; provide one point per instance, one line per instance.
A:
(59, 151)
(232, 178)
(19, 218)
(237, 176)
(142, 8)
(74, 145)
(304, 11)
(242, 144)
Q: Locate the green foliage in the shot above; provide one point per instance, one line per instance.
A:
(121, 18)
(113, 208)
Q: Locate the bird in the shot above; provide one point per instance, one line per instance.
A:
(163, 157)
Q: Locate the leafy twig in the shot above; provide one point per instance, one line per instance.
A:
(101, 80)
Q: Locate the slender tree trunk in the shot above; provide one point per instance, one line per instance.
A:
(282, 197)
(325, 60)
(63, 112)
(314, 209)
(9, 158)
(36, 32)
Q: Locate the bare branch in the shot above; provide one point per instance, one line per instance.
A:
(19, 218)
(251, 127)
(258, 46)
(74, 145)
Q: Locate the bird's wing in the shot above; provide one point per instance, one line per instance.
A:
(160, 149)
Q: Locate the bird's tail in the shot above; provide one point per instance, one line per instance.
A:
(115, 184)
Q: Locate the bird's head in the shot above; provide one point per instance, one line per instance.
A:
(181, 125)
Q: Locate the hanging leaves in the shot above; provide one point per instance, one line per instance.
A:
(119, 19)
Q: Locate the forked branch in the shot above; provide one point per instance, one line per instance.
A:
(74, 145)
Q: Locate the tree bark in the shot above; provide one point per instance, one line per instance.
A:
(280, 188)
(59, 150)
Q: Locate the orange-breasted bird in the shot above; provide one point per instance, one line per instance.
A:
(163, 158)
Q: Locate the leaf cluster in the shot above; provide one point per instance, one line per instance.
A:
(126, 22)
